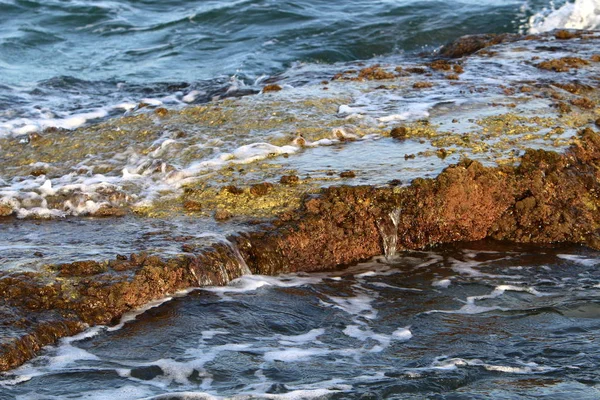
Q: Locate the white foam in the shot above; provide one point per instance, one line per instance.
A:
(442, 283)
(581, 260)
(582, 14)
(471, 308)
(364, 334)
(443, 363)
(359, 305)
(310, 336)
(294, 354)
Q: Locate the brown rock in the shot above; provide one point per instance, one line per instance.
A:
(271, 88)
(375, 72)
(289, 180)
(5, 210)
(348, 174)
(232, 189)
(564, 34)
(422, 85)
(261, 189)
(223, 215)
(192, 205)
(161, 112)
(470, 44)
(583, 102)
(81, 268)
(563, 64)
(399, 132)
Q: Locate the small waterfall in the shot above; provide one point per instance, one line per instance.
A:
(388, 229)
(243, 267)
(219, 265)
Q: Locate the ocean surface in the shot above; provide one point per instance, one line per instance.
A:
(480, 320)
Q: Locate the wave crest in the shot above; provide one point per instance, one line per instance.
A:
(582, 14)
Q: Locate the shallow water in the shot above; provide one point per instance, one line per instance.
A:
(468, 321)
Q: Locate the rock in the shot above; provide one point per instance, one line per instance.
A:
(289, 180)
(564, 34)
(193, 206)
(161, 112)
(563, 64)
(5, 210)
(261, 189)
(470, 44)
(81, 268)
(399, 132)
(222, 215)
(422, 85)
(233, 190)
(271, 88)
(348, 174)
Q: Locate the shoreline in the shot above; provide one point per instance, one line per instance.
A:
(546, 197)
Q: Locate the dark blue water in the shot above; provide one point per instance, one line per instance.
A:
(59, 58)
(481, 321)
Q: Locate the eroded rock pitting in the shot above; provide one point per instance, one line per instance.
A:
(546, 197)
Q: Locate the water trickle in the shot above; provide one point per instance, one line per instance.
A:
(242, 267)
(388, 228)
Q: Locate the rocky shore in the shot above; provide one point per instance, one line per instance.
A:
(545, 196)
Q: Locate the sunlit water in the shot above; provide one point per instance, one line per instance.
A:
(459, 322)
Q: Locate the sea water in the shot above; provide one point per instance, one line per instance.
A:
(467, 321)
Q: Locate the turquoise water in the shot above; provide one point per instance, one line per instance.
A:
(59, 58)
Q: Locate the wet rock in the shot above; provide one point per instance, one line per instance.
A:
(470, 44)
(348, 174)
(231, 189)
(193, 206)
(422, 85)
(81, 268)
(38, 172)
(416, 70)
(222, 215)
(564, 34)
(110, 211)
(563, 64)
(583, 102)
(395, 182)
(375, 73)
(399, 132)
(289, 180)
(271, 88)
(161, 112)
(598, 122)
(440, 65)
(261, 189)
(38, 254)
(5, 210)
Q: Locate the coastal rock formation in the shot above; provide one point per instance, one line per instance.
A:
(546, 197)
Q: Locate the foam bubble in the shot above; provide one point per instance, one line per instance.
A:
(582, 14)
(293, 354)
(442, 283)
